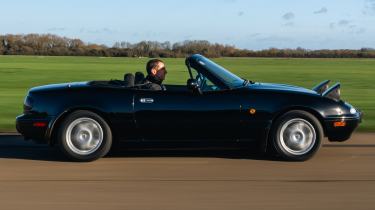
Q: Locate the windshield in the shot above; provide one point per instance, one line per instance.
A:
(204, 83)
(230, 79)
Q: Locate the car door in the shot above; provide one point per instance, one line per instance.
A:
(184, 115)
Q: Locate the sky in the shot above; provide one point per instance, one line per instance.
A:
(246, 24)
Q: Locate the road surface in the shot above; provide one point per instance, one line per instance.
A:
(340, 176)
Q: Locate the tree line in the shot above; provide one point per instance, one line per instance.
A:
(53, 45)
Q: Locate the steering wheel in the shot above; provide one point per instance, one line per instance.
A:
(202, 81)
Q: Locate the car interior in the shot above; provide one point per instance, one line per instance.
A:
(135, 81)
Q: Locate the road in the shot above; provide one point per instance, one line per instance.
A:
(340, 176)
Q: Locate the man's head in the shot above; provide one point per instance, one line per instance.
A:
(156, 68)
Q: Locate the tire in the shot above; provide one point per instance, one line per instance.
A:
(297, 135)
(84, 136)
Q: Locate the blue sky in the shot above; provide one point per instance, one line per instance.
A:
(251, 24)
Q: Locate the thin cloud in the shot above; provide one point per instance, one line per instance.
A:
(347, 26)
(343, 23)
(356, 30)
(289, 24)
(361, 31)
(332, 25)
(323, 10)
(240, 14)
(288, 16)
(371, 4)
(254, 35)
(369, 7)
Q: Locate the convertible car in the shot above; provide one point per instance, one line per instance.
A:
(84, 119)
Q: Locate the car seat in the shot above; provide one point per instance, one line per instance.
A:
(129, 80)
(139, 78)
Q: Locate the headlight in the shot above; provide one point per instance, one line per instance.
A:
(353, 110)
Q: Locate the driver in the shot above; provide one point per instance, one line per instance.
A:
(156, 74)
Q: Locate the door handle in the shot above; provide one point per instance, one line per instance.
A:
(146, 100)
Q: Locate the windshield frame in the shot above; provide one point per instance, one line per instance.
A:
(216, 73)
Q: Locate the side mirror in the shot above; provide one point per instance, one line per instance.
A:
(193, 85)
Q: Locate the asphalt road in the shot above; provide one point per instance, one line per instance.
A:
(340, 176)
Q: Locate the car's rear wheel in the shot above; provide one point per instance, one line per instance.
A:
(84, 136)
(297, 135)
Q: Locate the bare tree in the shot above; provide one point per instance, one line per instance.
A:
(49, 44)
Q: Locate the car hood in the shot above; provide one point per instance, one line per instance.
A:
(54, 87)
(281, 87)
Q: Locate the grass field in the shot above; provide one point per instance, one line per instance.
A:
(19, 73)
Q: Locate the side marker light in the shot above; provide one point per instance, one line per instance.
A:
(40, 124)
(252, 111)
(339, 124)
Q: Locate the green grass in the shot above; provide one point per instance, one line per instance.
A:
(19, 73)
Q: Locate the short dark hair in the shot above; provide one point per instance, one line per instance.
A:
(152, 64)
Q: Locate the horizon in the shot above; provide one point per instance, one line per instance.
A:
(289, 24)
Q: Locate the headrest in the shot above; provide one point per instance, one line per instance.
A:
(139, 77)
(129, 80)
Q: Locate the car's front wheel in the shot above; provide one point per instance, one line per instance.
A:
(297, 135)
(84, 136)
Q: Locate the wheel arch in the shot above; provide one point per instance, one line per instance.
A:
(54, 126)
(312, 111)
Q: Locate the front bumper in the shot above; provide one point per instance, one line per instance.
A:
(33, 127)
(342, 133)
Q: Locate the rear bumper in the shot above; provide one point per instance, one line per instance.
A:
(342, 133)
(34, 128)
